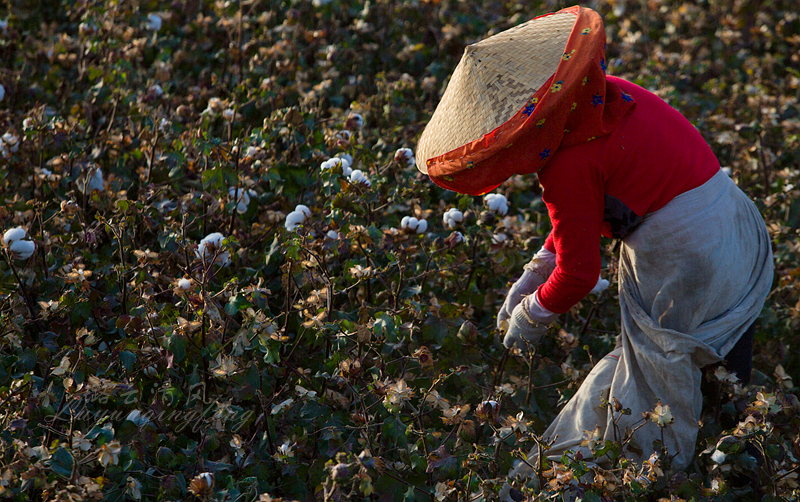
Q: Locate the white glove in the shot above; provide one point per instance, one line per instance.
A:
(522, 330)
(536, 273)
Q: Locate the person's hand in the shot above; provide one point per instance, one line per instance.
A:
(536, 273)
(522, 330)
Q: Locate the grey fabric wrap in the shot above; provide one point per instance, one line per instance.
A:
(693, 277)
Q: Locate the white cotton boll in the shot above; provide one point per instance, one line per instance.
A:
(153, 22)
(346, 157)
(184, 283)
(332, 234)
(22, 250)
(93, 181)
(333, 162)
(242, 198)
(28, 124)
(357, 176)
(452, 217)
(422, 225)
(497, 203)
(455, 238)
(355, 121)
(404, 155)
(228, 114)
(499, 238)
(212, 245)
(14, 234)
(303, 209)
(602, 285)
(294, 219)
(156, 90)
(11, 141)
(409, 222)
(718, 457)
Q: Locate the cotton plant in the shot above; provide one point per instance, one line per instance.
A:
(15, 241)
(211, 247)
(297, 217)
(496, 202)
(412, 224)
(452, 217)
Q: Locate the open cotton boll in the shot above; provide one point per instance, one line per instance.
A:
(184, 283)
(454, 239)
(452, 217)
(346, 157)
(332, 234)
(499, 238)
(93, 181)
(11, 141)
(497, 203)
(303, 209)
(22, 250)
(212, 245)
(357, 176)
(409, 222)
(294, 219)
(602, 285)
(422, 226)
(242, 198)
(333, 162)
(405, 156)
(14, 234)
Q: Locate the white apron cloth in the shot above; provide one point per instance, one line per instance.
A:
(693, 277)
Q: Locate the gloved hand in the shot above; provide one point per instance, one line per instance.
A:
(536, 273)
(522, 329)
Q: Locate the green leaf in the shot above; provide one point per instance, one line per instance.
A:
(236, 303)
(62, 462)
(177, 344)
(122, 205)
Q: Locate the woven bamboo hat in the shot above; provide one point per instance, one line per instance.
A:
(493, 81)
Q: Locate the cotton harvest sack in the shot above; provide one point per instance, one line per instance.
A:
(715, 246)
(518, 96)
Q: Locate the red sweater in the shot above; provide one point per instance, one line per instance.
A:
(605, 186)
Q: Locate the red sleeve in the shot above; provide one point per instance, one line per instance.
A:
(574, 196)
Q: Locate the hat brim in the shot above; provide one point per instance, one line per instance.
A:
(493, 80)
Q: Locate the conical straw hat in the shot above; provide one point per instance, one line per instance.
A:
(493, 81)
